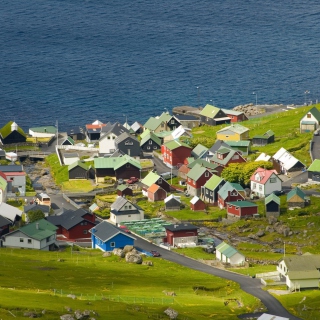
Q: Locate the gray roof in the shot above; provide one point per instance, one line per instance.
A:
(217, 145)
(35, 206)
(125, 135)
(136, 126)
(11, 168)
(71, 155)
(116, 128)
(118, 205)
(4, 222)
(181, 227)
(106, 231)
(228, 187)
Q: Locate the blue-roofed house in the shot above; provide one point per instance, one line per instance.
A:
(107, 237)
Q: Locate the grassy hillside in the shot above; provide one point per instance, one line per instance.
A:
(285, 125)
(36, 281)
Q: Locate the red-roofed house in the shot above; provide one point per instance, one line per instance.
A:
(264, 182)
(156, 193)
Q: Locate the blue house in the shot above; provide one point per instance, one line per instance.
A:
(107, 237)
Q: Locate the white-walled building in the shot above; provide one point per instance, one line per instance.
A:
(228, 254)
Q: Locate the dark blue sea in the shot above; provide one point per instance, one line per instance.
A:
(77, 61)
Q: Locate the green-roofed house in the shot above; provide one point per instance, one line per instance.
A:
(196, 179)
(272, 205)
(230, 192)
(124, 190)
(155, 125)
(78, 171)
(175, 152)
(154, 178)
(199, 151)
(119, 167)
(150, 142)
(263, 139)
(314, 171)
(68, 142)
(209, 191)
(40, 235)
(228, 254)
(297, 198)
(171, 121)
(43, 132)
(241, 209)
(213, 116)
(300, 272)
(224, 156)
(243, 146)
(12, 133)
(310, 121)
(235, 132)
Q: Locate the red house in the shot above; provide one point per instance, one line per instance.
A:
(123, 190)
(230, 192)
(196, 178)
(241, 209)
(235, 116)
(175, 152)
(196, 204)
(156, 193)
(73, 225)
(181, 235)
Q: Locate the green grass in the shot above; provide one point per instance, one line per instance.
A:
(59, 173)
(77, 186)
(195, 253)
(91, 277)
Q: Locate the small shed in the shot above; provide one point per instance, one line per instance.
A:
(297, 198)
(272, 205)
(228, 254)
(241, 209)
(182, 235)
(156, 193)
(68, 142)
(196, 204)
(172, 203)
(123, 190)
(264, 139)
(78, 170)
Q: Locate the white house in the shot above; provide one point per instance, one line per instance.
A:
(43, 132)
(39, 235)
(124, 210)
(310, 121)
(300, 272)
(264, 182)
(228, 254)
(287, 161)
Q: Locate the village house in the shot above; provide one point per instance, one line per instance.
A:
(128, 144)
(150, 142)
(70, 158)
(272, 205)
(243, 146)
(235, 116)
(230, 192)
(171, 121)
(154, 178)
(43, 132)
(196, 178)
(228, 254)
(124, 190)
(181, 235)
(314, 171)
(4, 226)
(310, 121)
(188, 121)
(213, 116)
(300, 272)
(78, 171)
(284, 162)
(16, 178)
(264, 139)
(196, 204)
(175, 152)
(35, 207)
(224, 156)
(68, 142)
(123, 210)
(209, 191)
(176, 134)
(108, 237)
(39, 235)
(93, 131)
(263, 182)
(215, 147)
(137, 128)
(156, 193)
(296, 198)
(235, 132)
(172, 203)
(11, 213)
(77, 133)
(3, 187)
(199, 152)
(12, 133)
(155, 125)
(241, 209)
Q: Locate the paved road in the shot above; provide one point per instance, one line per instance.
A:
(247, 284)
(161, 167)
(301, 178)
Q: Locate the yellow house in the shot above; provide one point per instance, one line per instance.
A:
(235, 132)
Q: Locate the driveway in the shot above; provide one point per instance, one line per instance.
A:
(247, 284)
(161, 167)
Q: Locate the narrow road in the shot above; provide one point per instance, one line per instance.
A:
(249, 285)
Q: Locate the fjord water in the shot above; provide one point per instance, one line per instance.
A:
(77, 61)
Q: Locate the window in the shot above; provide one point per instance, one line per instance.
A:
(211, 193)
(235, 157)
(21, 240)
(108, 138)
(273, 180)
(172, 121)
(128, 165)
(148, 148)
(113, 138)
(130, 207)
(85, 231)
(48, 239)
(129, 215)
(150, 141)
(253, 186)
(309, 115)
(154, 147)
(206, 174)
(128, 143)
(162, 125)
(207, 192)
(12, 178)
(260, 187)
(112, 244)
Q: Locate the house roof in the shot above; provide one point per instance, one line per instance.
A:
(78, 163)
(272, 197)
(117, 129)
(115, 162)
(45, 129)
(242, 204)
(9, 212)
(186, 117)
(211, 166)
(263, 157)
(181, 227)
(243, 143)
(4, 222)
(209, 111)
(136, 126)
(122, 187)
(183, 169)
(120, 202)
(296, 191)
(172, 197)
(11, 168)
(150, 179)
(236, 128)
(195, 199)
(196, 172)
(267, 316)
(94, 207)
(232, 112)
(6, 130)
(315, 112)
(226, 249)
(75, 130)
(153, 188)
(35, 206)
(123, 136)
(68, 219)
(307, 274)
(152, 123)
(199, 151)
(178, 132)
(174, 144)
(262, 175)
(230, 153)
(286, 158)
(69, 139)
(302, 263)
(228, 187)
(217, 145)
(315, 166)
(266, 135)
(71, 155)
(213, 182)
(150, 135)
(106, 231)
(39, 230)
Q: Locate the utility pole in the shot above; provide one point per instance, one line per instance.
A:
(57, 131)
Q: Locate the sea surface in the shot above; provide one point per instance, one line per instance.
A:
(75, 61)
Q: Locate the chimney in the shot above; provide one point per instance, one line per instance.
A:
(37, 226)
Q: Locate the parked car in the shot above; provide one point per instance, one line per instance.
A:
(155, 253)
(278, 192)
(167, 175)
(132, 180)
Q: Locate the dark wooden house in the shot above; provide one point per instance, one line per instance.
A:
(78, 170)
(77, 133)
(264, 139)
(172, 203)
(272, 205)
(123, 191)
(213, 116)
(128, 144)
(4, 225)
(12, 133)
(179, 235)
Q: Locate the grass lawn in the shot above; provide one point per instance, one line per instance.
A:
(59, 173)
(195, 253)
(112, 287)
(77, 186)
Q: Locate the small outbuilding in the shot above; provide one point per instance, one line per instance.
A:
(156, 193)
(78, 171)
(172, 203)
(297, 198)
(228, 254)
(196, 204)
(181, 235)
(68, 142)
(264, 139)
(272, 205)
(241, 209)
(123, 191)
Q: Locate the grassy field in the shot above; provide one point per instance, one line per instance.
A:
(59, 173)
(112, 287)
(77, 186)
